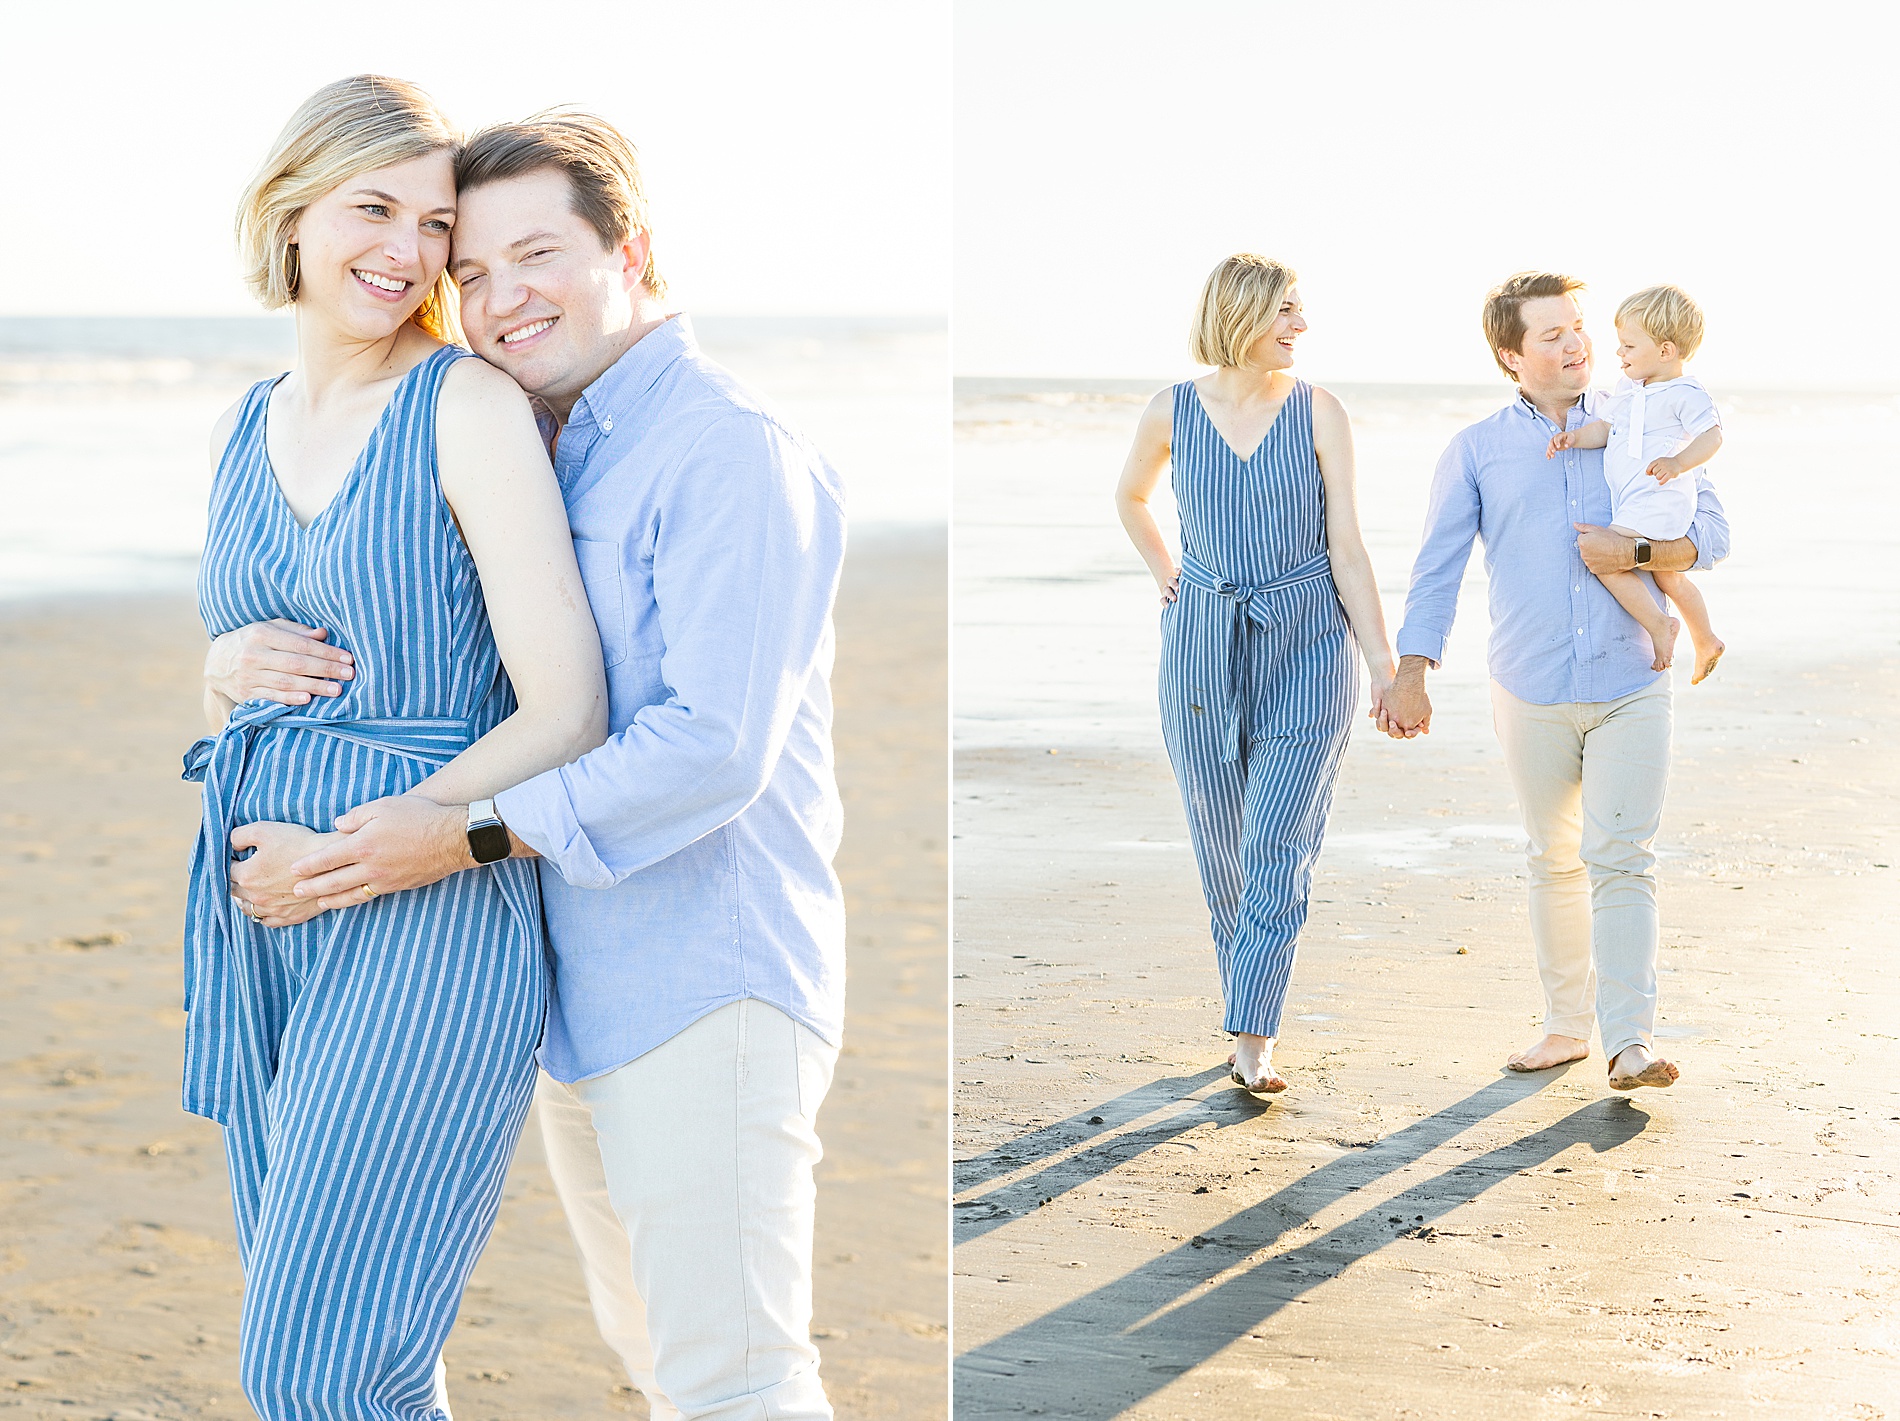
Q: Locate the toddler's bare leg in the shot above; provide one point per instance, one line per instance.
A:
(1628, 589)
(1677, 587)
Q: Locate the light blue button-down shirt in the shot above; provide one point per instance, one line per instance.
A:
(686, 863)
(1557, 635)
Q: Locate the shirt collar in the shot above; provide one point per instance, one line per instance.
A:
(615, 393)
(623, 383)
(1522, 404)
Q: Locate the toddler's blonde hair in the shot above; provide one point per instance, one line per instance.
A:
(1238, 306)
(1665, 313)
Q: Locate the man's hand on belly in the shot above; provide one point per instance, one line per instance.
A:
(385, 846)
(263, 884)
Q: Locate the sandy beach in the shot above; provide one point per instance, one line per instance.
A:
(1411, 1231)
(119, 1283)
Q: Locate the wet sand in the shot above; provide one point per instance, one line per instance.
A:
(119, 1283)
(1411, 1231)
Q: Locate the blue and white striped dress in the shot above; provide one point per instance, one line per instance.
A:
(1258, 689)
(372, 1067)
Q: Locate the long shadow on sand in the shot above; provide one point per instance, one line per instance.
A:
(978, 1216)
(1053, 1139)
(1095, 1357)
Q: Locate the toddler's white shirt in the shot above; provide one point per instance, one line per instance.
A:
(1650, 422)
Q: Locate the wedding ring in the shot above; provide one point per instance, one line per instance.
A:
(250, 909)
(368, 893)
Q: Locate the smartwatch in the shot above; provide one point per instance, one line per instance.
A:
(488, 840)
(1643, 553)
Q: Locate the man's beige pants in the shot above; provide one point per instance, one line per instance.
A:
(687, 1180)
(1590, 778)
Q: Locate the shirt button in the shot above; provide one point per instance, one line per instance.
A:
(607, 425)
(1579, 631)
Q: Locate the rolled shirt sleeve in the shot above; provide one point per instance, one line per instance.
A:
(1452, 520)
(746, 553)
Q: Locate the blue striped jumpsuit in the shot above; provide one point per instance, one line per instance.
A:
(1258, 689)
(372, 1067)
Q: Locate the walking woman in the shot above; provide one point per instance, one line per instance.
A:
(1258, 624)
(372, 1068)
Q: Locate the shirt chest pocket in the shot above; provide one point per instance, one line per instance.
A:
(600, 574)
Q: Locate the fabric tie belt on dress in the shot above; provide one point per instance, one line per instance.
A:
(224, 1046)
(1245, 604)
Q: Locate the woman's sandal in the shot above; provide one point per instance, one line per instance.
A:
(1268, 1089)
(1273, 1084)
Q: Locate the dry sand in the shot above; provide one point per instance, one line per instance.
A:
(1410, 1231)
(119, 1283)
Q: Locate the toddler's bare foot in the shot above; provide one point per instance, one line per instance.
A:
(1634, 1067)
(1666, 648)
(1706, 655)
(1551, 1051)
(1253, 1065)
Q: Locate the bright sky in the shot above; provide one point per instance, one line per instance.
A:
(1109, 153)
(796, 155)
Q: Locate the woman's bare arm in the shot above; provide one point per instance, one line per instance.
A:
(218, 705)
(1141, 476)
(497, 481)
(1353, 576)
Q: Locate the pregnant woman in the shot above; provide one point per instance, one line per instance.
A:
(1258, 622)
(372, 1069)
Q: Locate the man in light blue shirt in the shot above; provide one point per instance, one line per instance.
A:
(1583, 719)
(695, 925)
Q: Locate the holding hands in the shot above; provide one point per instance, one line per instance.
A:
(264, 884)
(1400, 706)
(384, 846)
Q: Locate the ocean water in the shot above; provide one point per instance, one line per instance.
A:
(1057, 622)
(105, 427)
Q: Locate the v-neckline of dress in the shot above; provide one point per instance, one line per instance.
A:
(356, 464)
(1265, 434)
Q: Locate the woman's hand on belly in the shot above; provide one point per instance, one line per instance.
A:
(264, 881)
(278, 660)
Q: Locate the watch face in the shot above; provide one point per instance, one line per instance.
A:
(488, 843)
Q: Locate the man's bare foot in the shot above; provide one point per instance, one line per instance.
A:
(1666, 648)
(1706, 655)
(1551, 1051)
(1635, 1067)
(1253, 1065)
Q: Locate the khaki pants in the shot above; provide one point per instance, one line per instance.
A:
(687, 1180)
(1590, 778)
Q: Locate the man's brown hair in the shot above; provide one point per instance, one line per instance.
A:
(1504, 309)
(603, 171)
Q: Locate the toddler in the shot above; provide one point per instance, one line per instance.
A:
(1659, 424)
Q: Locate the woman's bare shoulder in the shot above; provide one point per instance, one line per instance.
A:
(1159, 411)
(473, 385)
(1325, 399)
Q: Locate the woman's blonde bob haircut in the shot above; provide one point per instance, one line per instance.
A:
(1238, 305)
(353, 126)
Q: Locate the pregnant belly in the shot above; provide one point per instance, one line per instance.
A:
(302, 777)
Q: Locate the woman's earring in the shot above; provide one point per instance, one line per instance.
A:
(293, 271)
